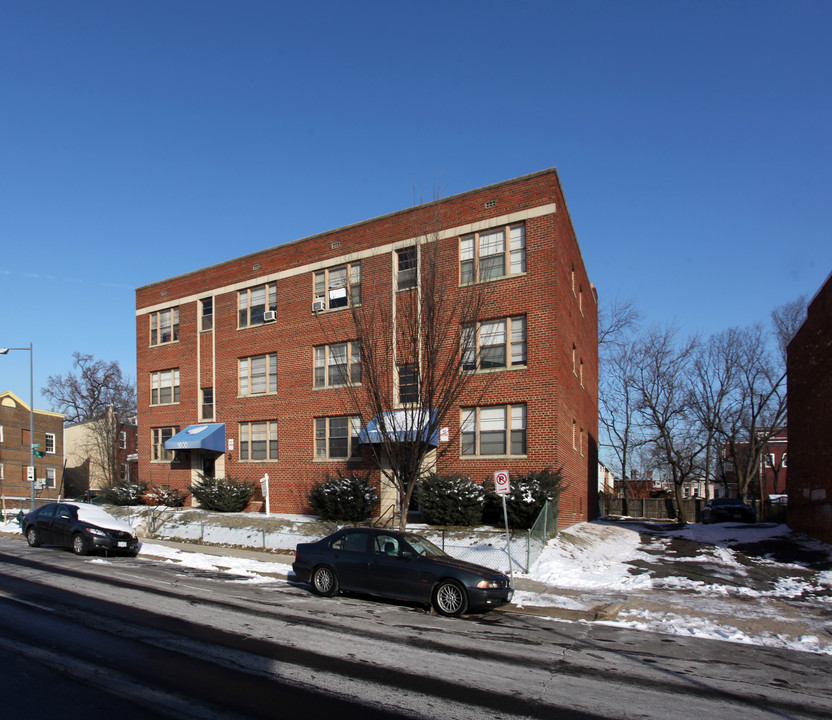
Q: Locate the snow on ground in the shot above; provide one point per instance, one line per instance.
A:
(586, 560)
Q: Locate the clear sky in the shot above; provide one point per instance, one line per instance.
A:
(142, 140)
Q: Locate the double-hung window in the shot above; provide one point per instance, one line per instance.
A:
(258, 375)
(492, 254)
(164, 326)
(494, 344)
(497, 430)
(408, 384)
(258, 441)
(49, 443)
(206, 308)
(338, 364)
(208, 403)
(336, 438)
(164, 387)
(253, 304)
(406, 276)
(339, 287)
(157, 443)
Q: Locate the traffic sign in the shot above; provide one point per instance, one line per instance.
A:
(502, 486)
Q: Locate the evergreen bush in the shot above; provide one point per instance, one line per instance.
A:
(529, 493)
(222, 494)
(125, 493)
(345, 498)
(451, 500)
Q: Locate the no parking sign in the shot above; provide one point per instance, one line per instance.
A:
(501, 482)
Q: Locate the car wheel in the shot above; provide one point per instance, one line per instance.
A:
(324, 581)
(449, 598)
(32, 537)
(79, 545)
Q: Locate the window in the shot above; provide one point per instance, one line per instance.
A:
(336, 437)
(122, 471)
(408, 384)
(487, 255)
(164, 326)
(164, 387)
(339, 287)
(574, 435)
(581, 300)
(406, 277)
(338, 364)
(254, 302)
(351, 542)
(258, 441)
(157, 443)
(499, 430)
(784, 460)
(50, 443)
(208, 402)
(258, 375)
(206, 321)
(2, 472)
(50, 477)
(581, 372)
(122, 439)
(496, 344)
(1, 433)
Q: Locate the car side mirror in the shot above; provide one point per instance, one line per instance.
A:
(407, 555)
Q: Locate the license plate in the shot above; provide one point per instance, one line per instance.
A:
(122, 543)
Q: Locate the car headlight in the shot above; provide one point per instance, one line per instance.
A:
(489, 584)
(96, 532)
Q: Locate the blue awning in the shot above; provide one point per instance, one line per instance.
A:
(199, 437)
(400, 426)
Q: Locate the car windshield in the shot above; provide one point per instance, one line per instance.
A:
(422, 546)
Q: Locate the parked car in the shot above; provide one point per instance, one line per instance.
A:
(400, 566)
(82, 527)
(723, 509)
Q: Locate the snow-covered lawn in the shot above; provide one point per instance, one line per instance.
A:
(709, 591)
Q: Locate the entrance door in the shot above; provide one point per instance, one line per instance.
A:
(209, 465)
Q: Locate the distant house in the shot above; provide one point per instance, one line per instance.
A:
(809, 371)
(100, 453)
(770, 476)
(16, 445)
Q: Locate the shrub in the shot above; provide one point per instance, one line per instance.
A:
(126, 493)
(222, 494)
(451, 500)
(529, 493)
(169, 498)
(345, 498)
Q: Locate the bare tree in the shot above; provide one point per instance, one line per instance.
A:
(93, 387)
(663, 385)
(419, 354)
(97, 394)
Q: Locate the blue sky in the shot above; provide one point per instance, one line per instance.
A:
(142, 140)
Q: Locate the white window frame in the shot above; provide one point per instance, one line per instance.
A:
(251, 315)
(249, 371)
(204, 404)
(492, 254)
(158, 435)
(162, 380)
(206, 314)
(260, 431)
(324, 438)
(329, 372)
(407, 262)
(164, 319)
(50, 479)
(508, 420)
(122, 439)
(49, 443)
(509, 333)
(338, 287)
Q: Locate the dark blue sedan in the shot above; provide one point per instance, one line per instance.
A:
(400, 566)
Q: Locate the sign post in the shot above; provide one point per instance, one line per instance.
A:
(264, 486)
(502, 487)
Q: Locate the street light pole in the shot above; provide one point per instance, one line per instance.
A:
(5, 351)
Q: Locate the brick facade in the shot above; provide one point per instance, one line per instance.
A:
(558, 385)
(810, 433)
(15, 450)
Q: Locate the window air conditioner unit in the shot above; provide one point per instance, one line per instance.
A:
(269, 316)
(318, 306)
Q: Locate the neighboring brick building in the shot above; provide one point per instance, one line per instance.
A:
(810, 432)
(235, 353)
(15, 450)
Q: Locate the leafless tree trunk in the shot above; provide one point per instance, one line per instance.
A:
(413, 342)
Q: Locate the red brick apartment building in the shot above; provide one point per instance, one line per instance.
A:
(809, 378)
(235, 365)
